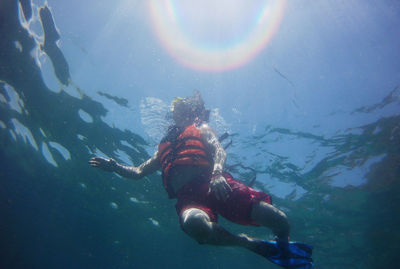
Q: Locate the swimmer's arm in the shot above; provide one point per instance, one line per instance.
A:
(146, 168)
(218, 184)
(219, 155)
(110, 165)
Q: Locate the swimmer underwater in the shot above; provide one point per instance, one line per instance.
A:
(191, 160)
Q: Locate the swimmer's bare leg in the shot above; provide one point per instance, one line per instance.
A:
(197, 224)
(269, 216)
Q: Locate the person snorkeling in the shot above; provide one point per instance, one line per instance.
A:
(192, 160)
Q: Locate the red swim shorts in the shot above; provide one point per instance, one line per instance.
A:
(237, 208)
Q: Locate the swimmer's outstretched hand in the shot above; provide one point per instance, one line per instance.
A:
(108, 165)
(220, 187)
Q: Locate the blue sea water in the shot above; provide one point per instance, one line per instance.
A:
(313, 115)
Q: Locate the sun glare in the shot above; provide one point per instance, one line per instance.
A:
(215, 35)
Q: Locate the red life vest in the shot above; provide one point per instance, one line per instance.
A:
(187, 149)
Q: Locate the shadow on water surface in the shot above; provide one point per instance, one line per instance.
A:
(59, 213)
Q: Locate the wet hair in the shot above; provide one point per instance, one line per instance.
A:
(192, 106)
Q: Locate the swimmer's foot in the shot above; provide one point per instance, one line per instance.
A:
(258, 246)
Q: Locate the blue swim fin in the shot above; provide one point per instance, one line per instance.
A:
(286, 254)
